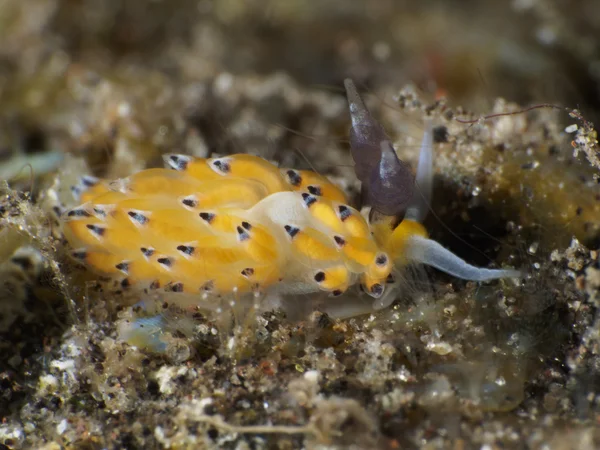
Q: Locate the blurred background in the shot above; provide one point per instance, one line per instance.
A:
(472, 51)
(55, 53)
(525, 50)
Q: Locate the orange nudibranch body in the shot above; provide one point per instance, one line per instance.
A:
(222, 225)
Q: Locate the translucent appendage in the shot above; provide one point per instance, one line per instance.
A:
(144, 333)
(421, 199)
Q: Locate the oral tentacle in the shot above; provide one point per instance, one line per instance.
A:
(422, 250)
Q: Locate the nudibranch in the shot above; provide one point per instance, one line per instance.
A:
(239, 224)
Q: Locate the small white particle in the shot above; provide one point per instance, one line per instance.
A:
(124, 109)
(223, 83)
(63, 364)
(61, 427)
(49, 381)
(312, 376)
(381, 51)
(571, 128)
(159, 433)
(546, 35)
(533, 248)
